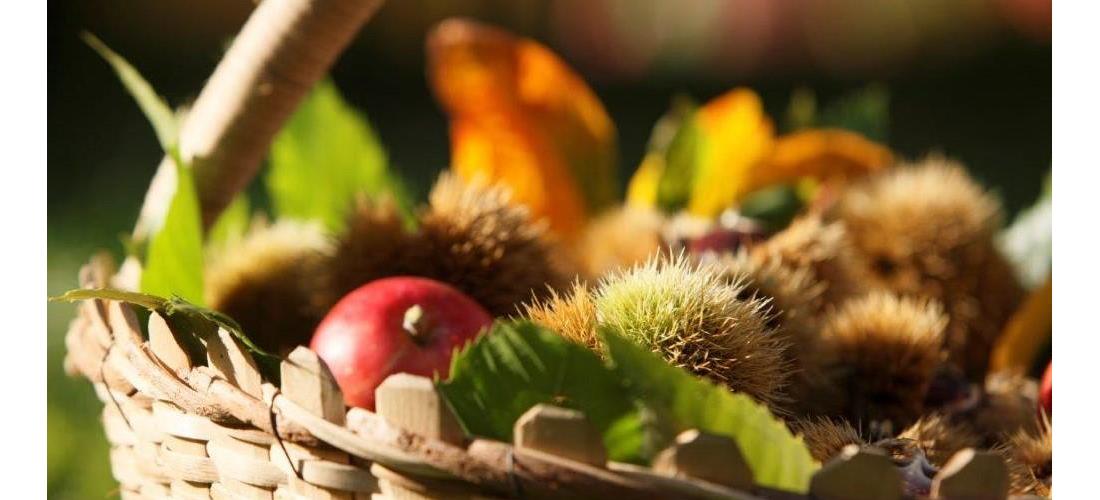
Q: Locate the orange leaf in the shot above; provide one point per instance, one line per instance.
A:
(642, 190)
(822, 154)
(1025, 333)
(520, 116)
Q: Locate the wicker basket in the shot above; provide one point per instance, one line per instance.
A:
(220, 431)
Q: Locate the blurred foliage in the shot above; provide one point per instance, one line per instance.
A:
(325, 156)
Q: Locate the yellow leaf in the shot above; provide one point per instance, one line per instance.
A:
(521, 116)
(642, 190)
(736, 135)
(822, 154)
(1025, 333)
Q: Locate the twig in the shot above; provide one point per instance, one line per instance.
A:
(283, 49)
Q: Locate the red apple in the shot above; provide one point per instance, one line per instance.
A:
(1045, 401)
(394, 325)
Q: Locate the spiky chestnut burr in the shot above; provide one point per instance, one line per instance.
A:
(875, 359)
(1007, 407)
(375, 244)
(1029, 455)
(927, 229)
(792, 293)
(487, 246)
(270, 282)
(620, 239)
(572, 315)
(941, 436)
(695, 317)
(826, 249)
(825, 437)
(470, 237)
(793, 296)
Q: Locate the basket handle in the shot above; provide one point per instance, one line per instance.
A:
(284, 48)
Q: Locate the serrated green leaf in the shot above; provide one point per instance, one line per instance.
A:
(520, 364)
(174, 259)
(324, 157)
(232, 224)
(195, 325)
(680, 401)
(156, 110)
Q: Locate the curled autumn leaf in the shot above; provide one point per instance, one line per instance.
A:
(1026, 332)
(824, 154)
(736, 135)
(727, 149)
(520, 116)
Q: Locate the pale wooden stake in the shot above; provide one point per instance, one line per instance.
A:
(856, 474)
(307, 381)
(166, 347)
(561, 432)
(124, 323)
(708, 457)
(972, 475)
(226, 355)
(412, 403)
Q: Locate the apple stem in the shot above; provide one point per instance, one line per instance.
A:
(415, 325)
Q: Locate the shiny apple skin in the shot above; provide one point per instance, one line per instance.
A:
(363, 338)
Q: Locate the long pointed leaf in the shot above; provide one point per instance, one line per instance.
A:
(156, 110)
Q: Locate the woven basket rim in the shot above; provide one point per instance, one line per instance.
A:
(105, 344)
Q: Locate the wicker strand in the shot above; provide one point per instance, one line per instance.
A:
(111, 394)
(278, 438)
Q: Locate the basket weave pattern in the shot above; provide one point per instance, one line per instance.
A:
(217, 430)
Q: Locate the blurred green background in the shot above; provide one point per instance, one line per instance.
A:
(970, 78)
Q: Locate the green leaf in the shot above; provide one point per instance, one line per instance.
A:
(174, 259)
(675, 187)
(150, 302)
(156, 110)
(324, 157)
(681, 401)
(520, 364)
(194, 324)
(232, 223)
(774, 207)
(866, 111)
(1029, 241)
